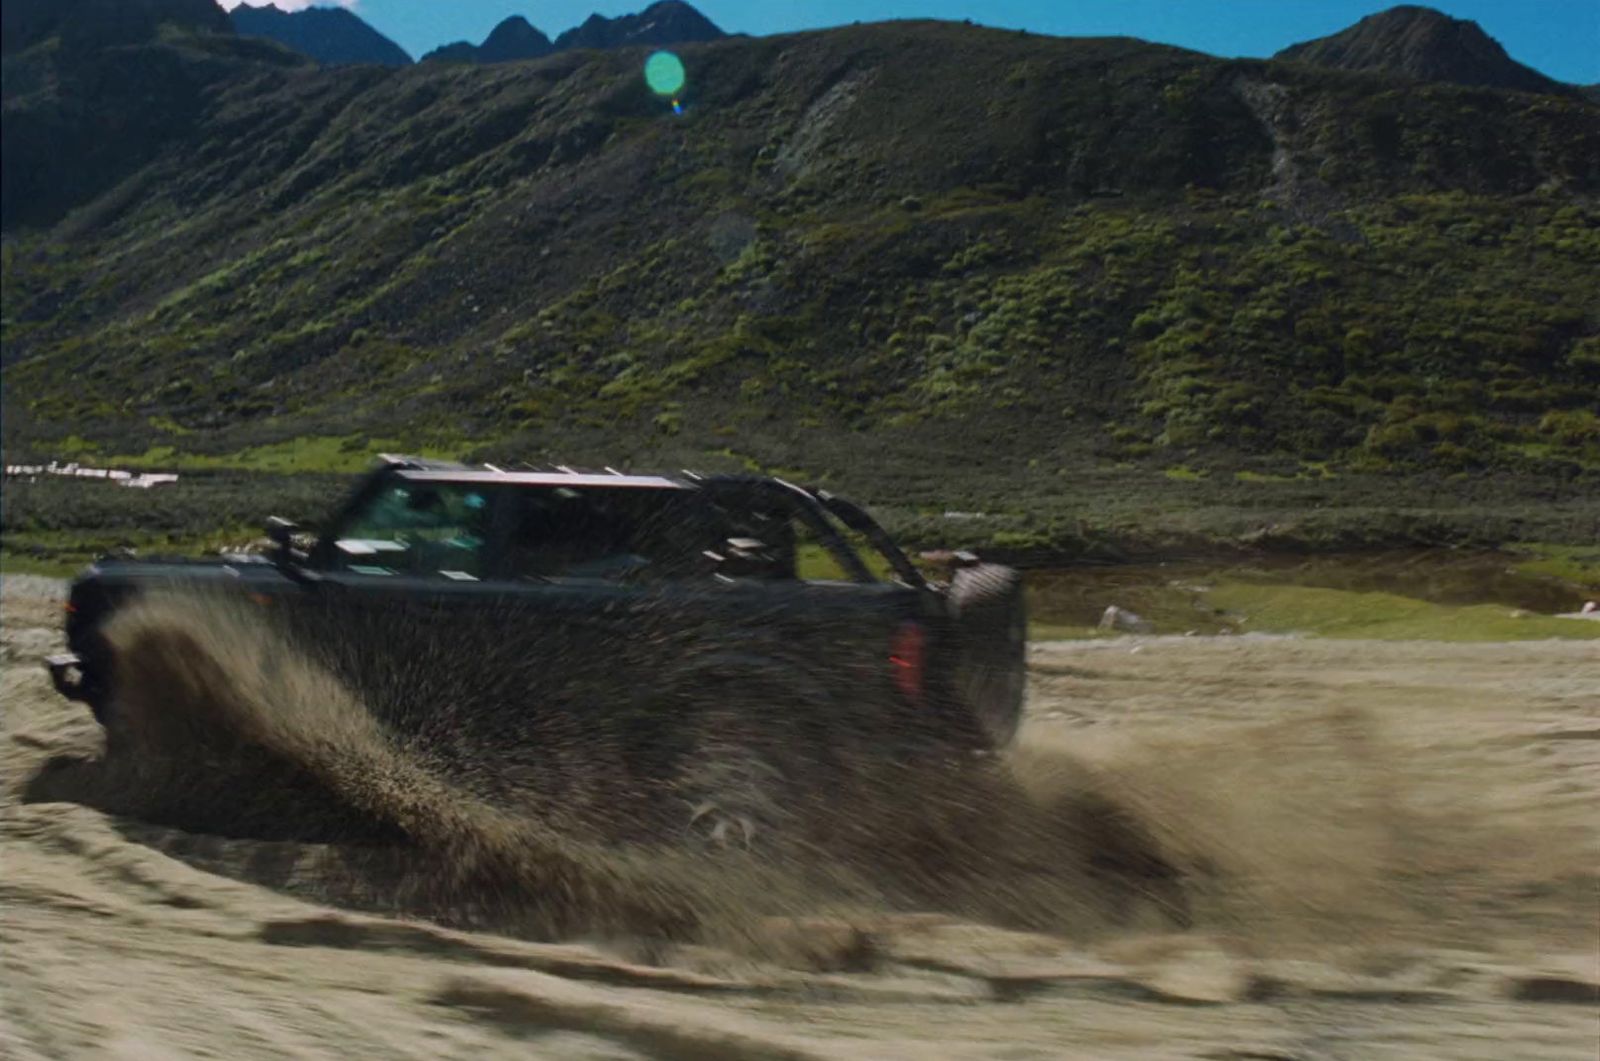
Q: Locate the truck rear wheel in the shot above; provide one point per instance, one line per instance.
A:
(731, 787)
(991, 648)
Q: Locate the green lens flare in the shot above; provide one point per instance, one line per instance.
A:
(663, 72)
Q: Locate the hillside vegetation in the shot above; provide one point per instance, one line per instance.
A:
(924, 247)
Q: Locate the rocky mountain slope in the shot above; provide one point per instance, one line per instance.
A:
(93, 90)
(922, 245)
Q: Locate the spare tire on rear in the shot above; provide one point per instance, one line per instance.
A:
(991, 625)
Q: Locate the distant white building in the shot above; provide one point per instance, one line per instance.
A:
(74, 470)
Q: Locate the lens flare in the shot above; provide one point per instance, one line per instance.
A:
(664, 73)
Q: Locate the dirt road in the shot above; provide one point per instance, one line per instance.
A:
(1390, 850)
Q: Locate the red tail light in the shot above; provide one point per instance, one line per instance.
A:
(908, 654)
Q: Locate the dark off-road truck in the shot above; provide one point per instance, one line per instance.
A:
(655, 612)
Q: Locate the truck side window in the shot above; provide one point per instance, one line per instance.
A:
(417, 528)
(564, 533)
(622, 534)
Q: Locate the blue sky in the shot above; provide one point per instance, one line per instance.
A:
(1560, 38)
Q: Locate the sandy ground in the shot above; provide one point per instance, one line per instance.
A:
(1393, 846)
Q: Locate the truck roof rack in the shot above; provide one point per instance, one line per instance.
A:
(410, 462)
(403, 460)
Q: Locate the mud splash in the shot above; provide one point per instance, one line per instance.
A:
(1300, 830)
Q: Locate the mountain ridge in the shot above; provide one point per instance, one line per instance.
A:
(1409, 40)
(1424, 44)
(663, 22)
(513, 39)
(331, 35)
(94, 23)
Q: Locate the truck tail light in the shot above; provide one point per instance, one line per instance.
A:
(908, 655)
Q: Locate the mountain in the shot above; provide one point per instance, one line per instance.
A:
(332, 36)
(1428, 45)
(511, 40)
(663, 22)
(946, 256)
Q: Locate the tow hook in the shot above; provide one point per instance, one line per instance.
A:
(66, 674)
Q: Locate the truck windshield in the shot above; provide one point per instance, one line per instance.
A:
(417, 528)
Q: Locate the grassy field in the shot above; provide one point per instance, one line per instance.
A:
(1386, 616)
(1041, 514)
(56, 525)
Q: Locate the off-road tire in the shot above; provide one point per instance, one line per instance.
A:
(754, 755)
(991, 627)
